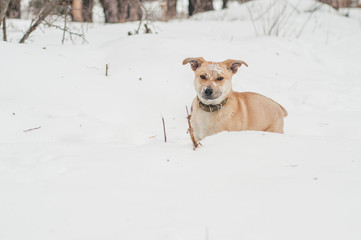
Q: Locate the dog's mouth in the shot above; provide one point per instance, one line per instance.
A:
(210, 100)
(209, 97)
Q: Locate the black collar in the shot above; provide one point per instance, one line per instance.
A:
(212, 108)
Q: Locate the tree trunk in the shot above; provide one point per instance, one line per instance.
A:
(336, 4)
(116, 11)
(172, 8)
(3, 7)
(191, 5)
(13, 9)
(164, 5)
(198, 6)
(123, 7)
(5, 37)
(208, 5)
(134, 10)
(111, 10)
(225, 4)
(88, 10)
(76, 10)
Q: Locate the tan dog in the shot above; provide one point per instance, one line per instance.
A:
(217, 108)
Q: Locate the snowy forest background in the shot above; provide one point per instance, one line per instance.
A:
(120, 11)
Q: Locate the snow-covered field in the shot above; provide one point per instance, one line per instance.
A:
(95, 165)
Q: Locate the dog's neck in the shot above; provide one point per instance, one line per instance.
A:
(212, 108)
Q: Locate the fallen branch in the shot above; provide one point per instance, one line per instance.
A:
(190, 131)
(31, 129)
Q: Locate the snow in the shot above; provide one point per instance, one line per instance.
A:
(98, 167)
(215, 67)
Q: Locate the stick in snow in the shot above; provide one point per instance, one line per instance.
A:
(31, 129)
(106, 69)
(165, 134)
(190, 131)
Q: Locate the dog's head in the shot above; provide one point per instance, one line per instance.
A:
(213, 80)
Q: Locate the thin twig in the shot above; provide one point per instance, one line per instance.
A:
(276, 21)
(67, 30)
(44, 12)
(64, 30)
(252, 19)
(190, 131)
(307, 20)
(164, 132)
(31, 129)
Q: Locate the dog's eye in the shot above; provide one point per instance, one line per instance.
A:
(220, 79)
(203, 76)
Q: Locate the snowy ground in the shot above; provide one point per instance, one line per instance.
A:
(97, 168)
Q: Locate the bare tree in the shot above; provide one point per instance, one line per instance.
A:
(224, 4)
(171, 8)
(3, 7)
(198, 6)
(13, 9)
(82, 10)
(133, 11)
(44, 12)
(77, 9)
(116, 11)
(123, 10)
(129, 10)
(5, 37)
(111, 10)
(336, 4)
(88, 10)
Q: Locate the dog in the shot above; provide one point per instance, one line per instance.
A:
(218, 108)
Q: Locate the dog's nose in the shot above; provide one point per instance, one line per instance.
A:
(208, 92)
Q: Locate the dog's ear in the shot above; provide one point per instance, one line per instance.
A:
(233, 65)
(195, 62)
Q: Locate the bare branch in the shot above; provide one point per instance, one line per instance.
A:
(65, 18)
(71, 33)
(190, 131)
(44, 12)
